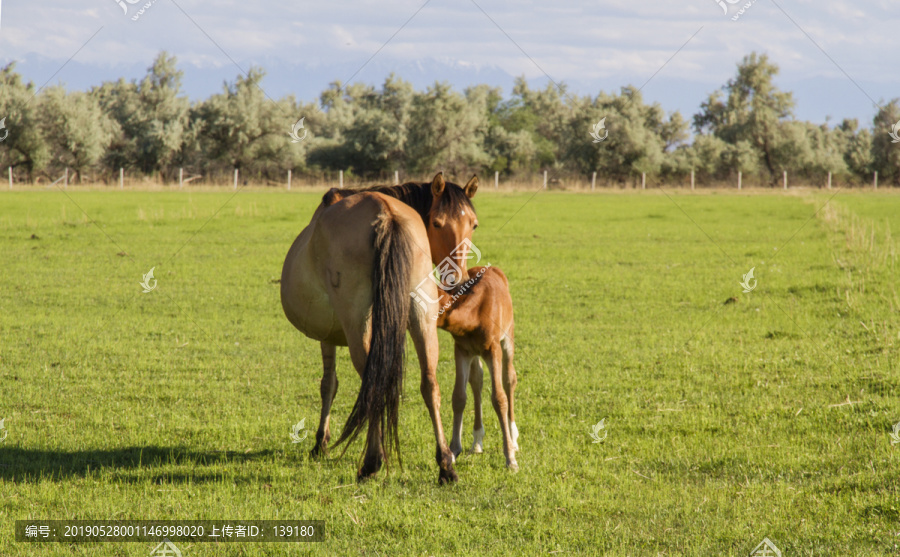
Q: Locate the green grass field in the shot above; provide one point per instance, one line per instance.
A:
(726, 412)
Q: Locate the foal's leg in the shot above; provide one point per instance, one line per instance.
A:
(459, 399)
(510, 380)
(424, 335)
(476, 380)
(327, 388)
(494, 359)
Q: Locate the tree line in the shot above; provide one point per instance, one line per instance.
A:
(150, 128)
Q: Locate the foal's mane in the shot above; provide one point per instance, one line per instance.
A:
(415, 194)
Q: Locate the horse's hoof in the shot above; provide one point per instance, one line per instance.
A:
(320, 447)
(447, 476)
(513, 466)
(369, 468)
(363, 475)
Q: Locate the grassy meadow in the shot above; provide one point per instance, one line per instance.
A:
(730, 416)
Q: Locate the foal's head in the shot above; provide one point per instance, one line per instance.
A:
(449, 223)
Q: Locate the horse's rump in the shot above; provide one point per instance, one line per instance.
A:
(366, 253)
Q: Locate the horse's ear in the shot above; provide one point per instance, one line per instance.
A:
(471, 187)
(437, 184)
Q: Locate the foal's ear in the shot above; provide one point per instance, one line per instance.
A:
(437, 184)
(471, 187)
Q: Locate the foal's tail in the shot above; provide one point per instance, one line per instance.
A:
(378, 401)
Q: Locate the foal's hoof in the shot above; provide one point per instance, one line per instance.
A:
(513, 466)
(447, 476)
(477, 446)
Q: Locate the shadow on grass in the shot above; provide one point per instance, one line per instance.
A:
(19, 464)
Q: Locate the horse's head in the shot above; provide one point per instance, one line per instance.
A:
(450, 223)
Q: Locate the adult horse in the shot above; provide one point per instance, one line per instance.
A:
(347, 281)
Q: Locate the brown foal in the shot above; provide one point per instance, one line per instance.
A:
(479, 315)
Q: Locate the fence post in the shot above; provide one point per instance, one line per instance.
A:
(876, 179)
(396, 177)
(10, 177)
(593, 181)
(289, 179)
(829, 180)
(496, 179)
(785, 179)
(643, 180)
(740, 177)
(545, 179)
(235, 178)
(692, 180)
(121, 178)
(180, 178)
(66, 182)
(341, 179)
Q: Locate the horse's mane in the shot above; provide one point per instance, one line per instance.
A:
(415, 194)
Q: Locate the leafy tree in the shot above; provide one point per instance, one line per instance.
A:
(755, 111)
(638, 135)
(76, 129)
(706, 156)
(243, 129)
(24, 145)
(542, 115)
(857, 147)
(886, 153)
(825, 152)
(366, 130)
(508, 151)
(445, 132)
(152, 117)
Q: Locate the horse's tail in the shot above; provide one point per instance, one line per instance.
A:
(378, 401)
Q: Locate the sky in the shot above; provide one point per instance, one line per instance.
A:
(838, 58)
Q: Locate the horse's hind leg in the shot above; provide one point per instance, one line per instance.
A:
(494, 359)
(374, 456)
(424, 335)
(476, 380)
(327, 388)
(373, 459)
(510, 380)
(459, 399)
